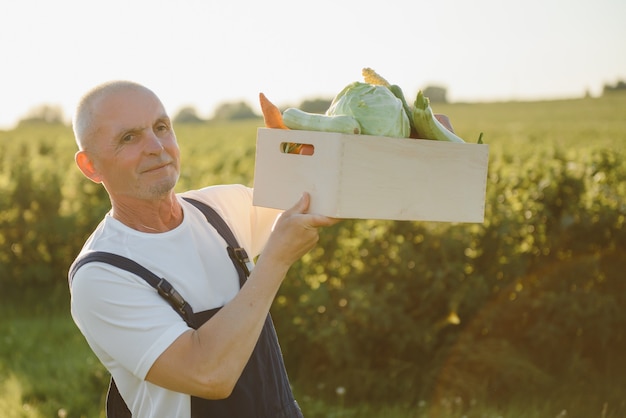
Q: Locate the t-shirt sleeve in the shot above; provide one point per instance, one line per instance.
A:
(123, 318)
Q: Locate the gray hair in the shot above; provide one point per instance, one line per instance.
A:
(86, 110)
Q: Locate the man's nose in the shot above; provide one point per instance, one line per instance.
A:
(154, 144)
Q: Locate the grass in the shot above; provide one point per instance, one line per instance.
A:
(47, 370)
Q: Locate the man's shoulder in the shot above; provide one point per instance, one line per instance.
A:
(222, 192)
(222, 198)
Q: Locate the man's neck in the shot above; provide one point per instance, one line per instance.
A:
(151, 216)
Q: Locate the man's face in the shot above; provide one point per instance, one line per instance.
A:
(134, 148)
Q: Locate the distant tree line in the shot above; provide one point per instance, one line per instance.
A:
(45, 113)
(619, 86)
(226, 111)
(53, 114)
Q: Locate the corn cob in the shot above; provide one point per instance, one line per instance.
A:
(372, 77)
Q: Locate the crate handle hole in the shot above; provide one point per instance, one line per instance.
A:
(294, 148)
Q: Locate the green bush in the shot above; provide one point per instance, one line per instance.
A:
(46, 212)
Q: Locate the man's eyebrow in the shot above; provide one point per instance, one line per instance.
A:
(163, 118)
(125, 131)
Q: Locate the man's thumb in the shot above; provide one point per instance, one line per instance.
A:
(302, 205)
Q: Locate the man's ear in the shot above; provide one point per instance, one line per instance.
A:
(86, 165)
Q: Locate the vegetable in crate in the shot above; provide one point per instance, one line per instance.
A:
(299, 119)
(375, 107)
(372, 77)
(427, 125)
(431, 126)
(274, 119)
(271, 113)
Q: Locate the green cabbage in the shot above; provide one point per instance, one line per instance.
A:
(376, 108)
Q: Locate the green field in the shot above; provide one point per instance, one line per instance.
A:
(365, 319)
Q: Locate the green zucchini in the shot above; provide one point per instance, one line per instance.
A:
(300, 120)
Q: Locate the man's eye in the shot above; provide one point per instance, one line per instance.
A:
(162, 127)
(127, 138)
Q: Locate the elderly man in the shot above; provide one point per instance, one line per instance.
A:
(229, 364)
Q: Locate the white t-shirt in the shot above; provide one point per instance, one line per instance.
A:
(127, 324)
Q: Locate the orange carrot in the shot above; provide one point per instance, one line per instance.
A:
(271, 114)
(306, 149)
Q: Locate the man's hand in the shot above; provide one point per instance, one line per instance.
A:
(445, 121)
(295, 233)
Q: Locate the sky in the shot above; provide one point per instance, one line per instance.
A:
(203, 53)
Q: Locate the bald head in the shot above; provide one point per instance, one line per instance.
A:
(85, 117)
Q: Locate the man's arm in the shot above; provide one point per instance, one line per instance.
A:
(207, 362)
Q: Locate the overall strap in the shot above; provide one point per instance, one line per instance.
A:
(165, 289)
(237, 254)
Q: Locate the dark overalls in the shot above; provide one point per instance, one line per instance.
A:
(262, 390)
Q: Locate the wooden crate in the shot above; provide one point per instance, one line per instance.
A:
(373, 177)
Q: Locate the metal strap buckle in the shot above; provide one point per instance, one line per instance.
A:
(168, 292)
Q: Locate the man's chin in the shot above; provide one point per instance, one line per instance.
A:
(160, 189)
